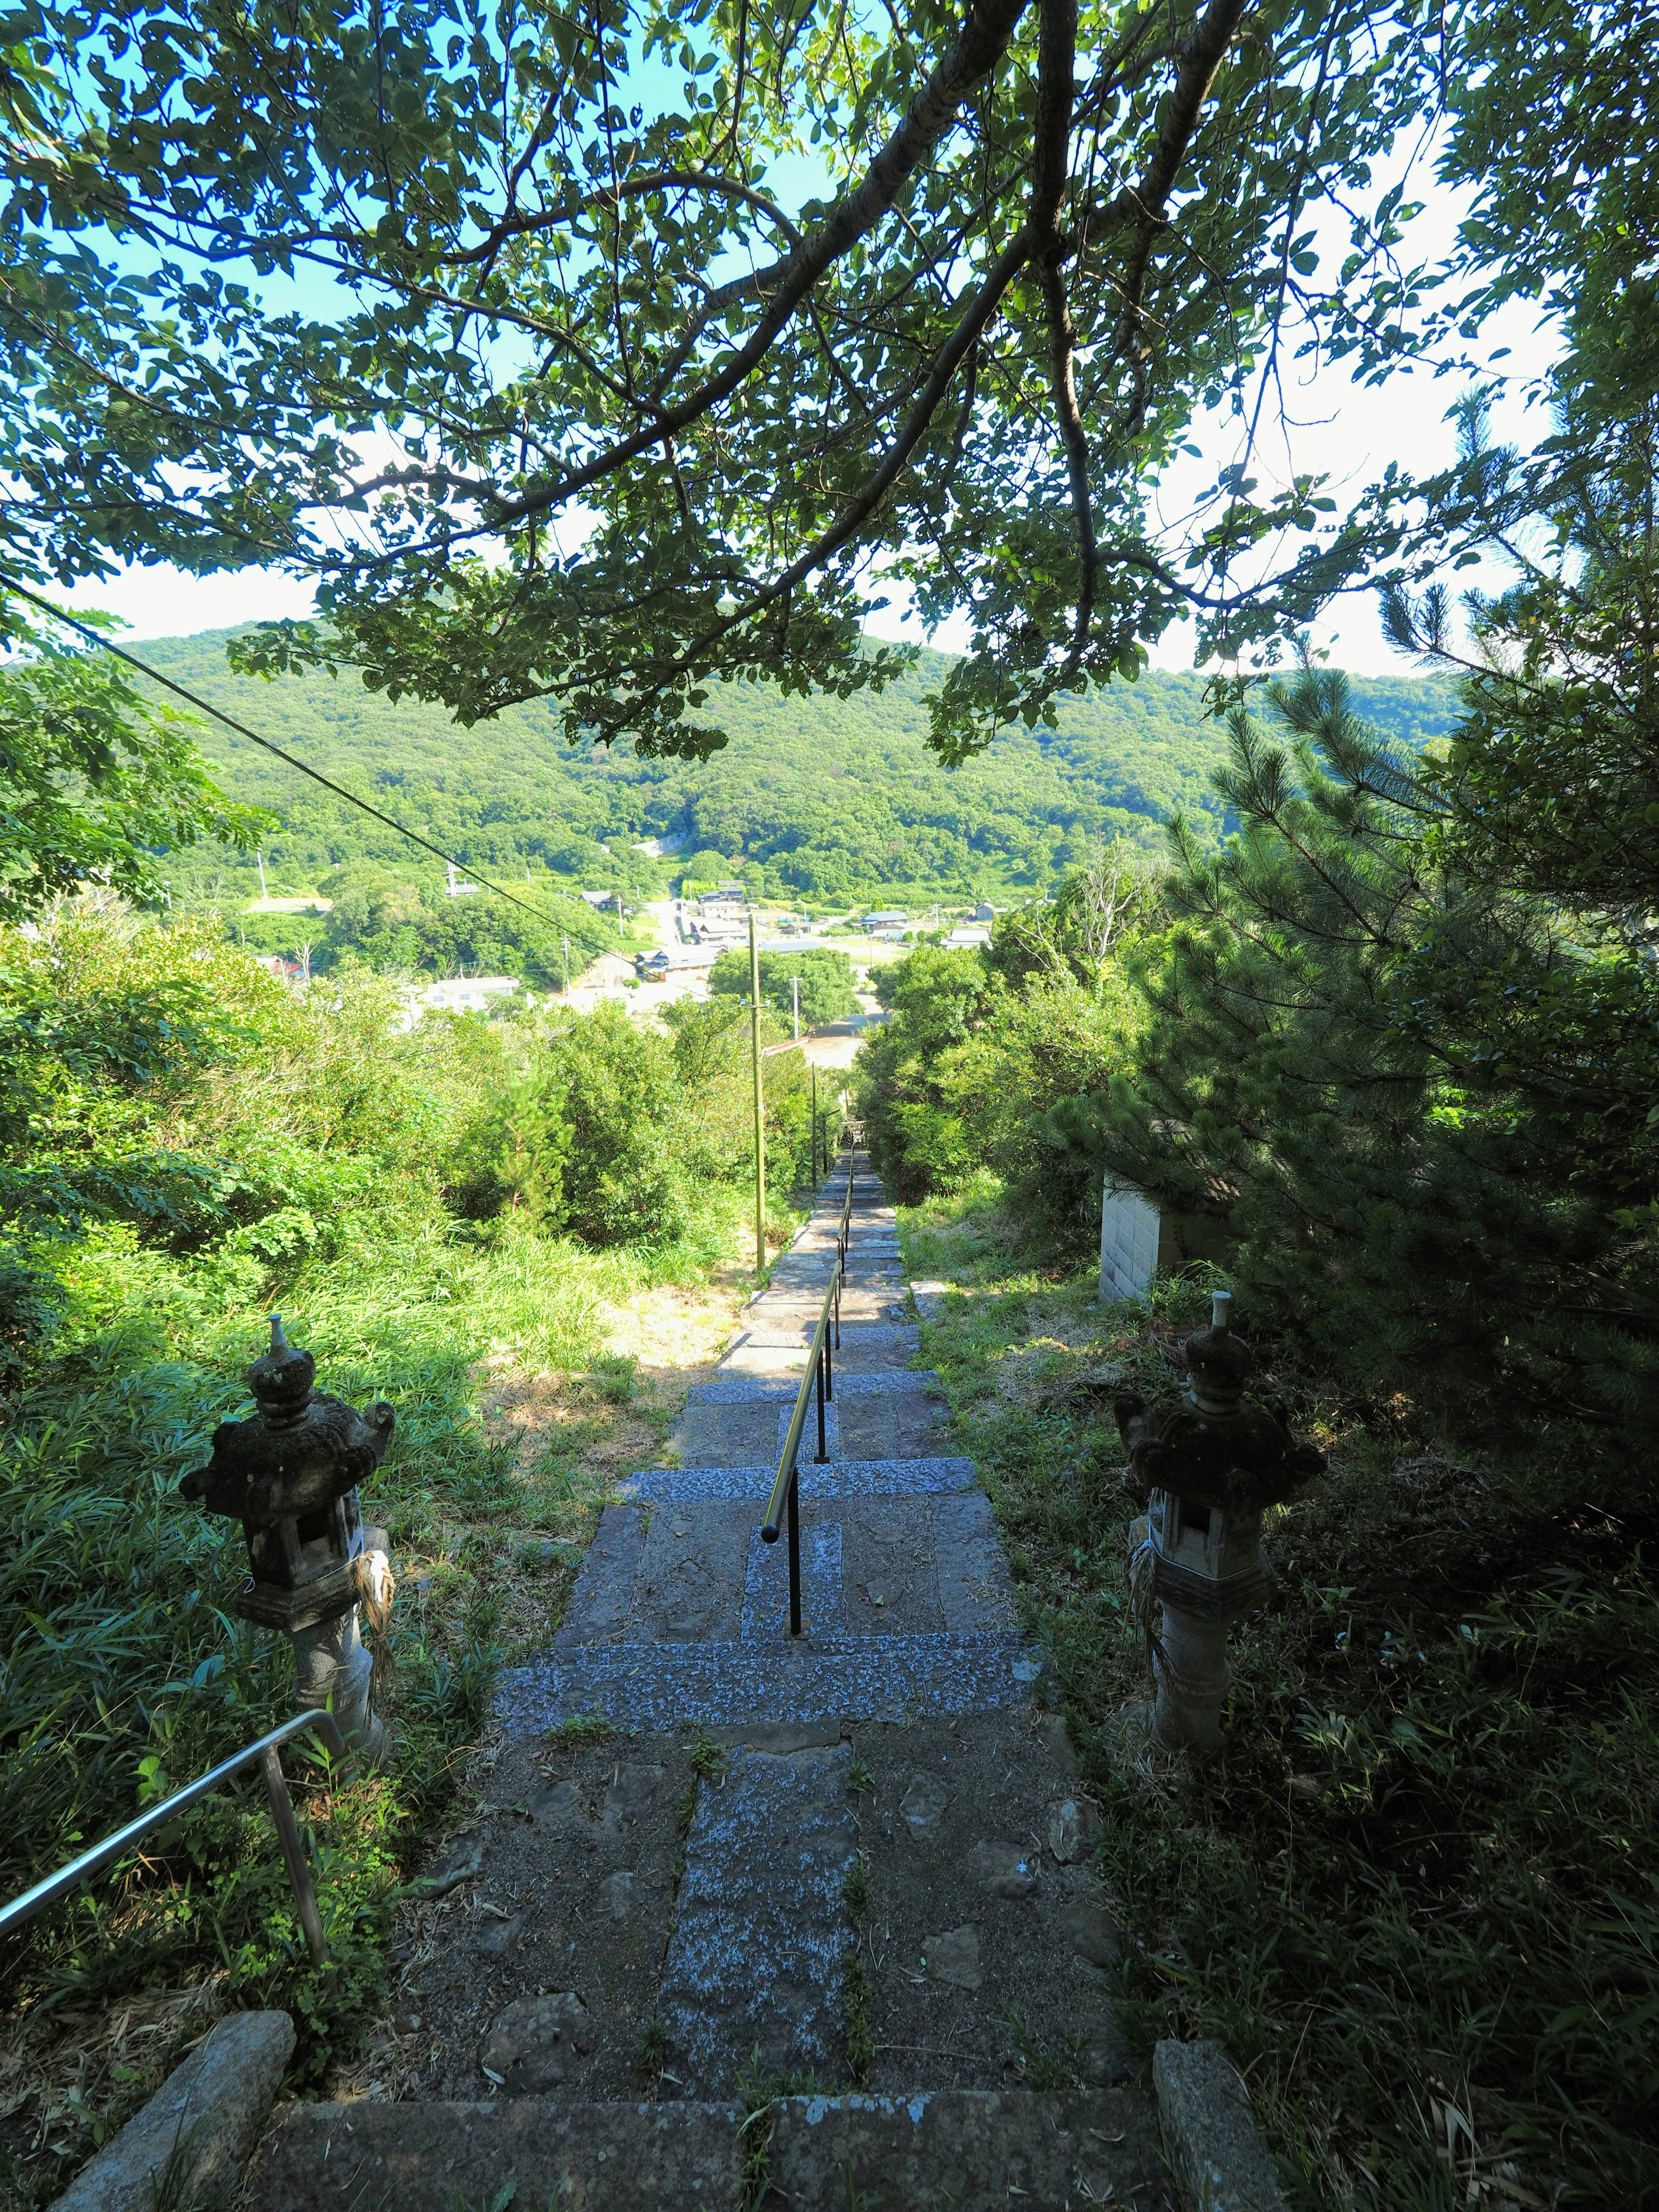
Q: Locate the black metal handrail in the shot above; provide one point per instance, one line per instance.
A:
(783, 1507)
(157, 1816)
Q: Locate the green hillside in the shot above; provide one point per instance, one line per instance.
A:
(818, 801)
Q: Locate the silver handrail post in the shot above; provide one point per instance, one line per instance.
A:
(294, 1851)
(263, 1754)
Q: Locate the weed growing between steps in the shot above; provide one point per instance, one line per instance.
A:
(1416, 1903)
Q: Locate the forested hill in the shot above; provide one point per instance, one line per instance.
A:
(818, 798)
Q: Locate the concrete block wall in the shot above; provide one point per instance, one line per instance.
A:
(1130, 1225)
(1138, 1239)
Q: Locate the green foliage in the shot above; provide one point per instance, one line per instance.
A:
(821, 801)
(1421, 1884)
(960, 1078)
(611, 1096)
(704, 870)
(932, 391)
(184, 1142)
(398, 922)
(1421, 1094)
(95, 782)
(825, 977)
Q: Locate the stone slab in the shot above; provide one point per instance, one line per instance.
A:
(902, 1425)
(743, 1390)
(690, 1586)
(600, 1603)
(762, 1927)
(848, 1477)
(744, 1434)
(868, 1333)
(1221, 2162)
(677, 2157)
(653, 1685)
(974, 2150)
(976, 1590)
(190, 2140)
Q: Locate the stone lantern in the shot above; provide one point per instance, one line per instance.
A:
(1210, 1464)
(289, 1474)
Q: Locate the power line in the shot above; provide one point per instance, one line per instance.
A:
(97, 638)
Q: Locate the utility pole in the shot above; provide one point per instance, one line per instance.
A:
(795, 994)
(566, 967)
(259, 863)
(760, 1117)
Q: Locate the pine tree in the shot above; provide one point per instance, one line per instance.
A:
(1415, 1079)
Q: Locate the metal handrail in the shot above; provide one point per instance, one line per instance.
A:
(265, 1752)
(783, 1507)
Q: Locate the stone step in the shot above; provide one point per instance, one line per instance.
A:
(846, 1478)
(725, 1684)
(753, 1977)
(974, 2150)
(869, 1349)
(744, 1427)
(674, 1565)
(751, 1389)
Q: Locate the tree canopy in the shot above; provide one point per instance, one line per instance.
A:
(597, 354)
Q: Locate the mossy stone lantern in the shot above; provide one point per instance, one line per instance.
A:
(1210, 1464)
(289, 1474)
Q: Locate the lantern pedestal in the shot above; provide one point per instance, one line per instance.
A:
(332, 1670)
(1211, 1463)
(1190, 1667)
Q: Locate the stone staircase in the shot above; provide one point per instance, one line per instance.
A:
(725, 1875)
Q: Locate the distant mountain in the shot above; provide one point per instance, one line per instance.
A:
(819, 800)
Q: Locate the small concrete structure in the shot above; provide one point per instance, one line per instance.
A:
(1138, 1240)
(188, 2145)
(1221, 2163)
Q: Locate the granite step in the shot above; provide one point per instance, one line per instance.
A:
(749, 1389)
(753, 1981)
(975, 2150)
(739, 1425)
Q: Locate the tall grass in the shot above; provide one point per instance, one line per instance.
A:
(1418, 1903)
(184, 1143)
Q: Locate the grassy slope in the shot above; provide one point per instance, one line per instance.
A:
(1417, 1904)
(513, 1418)
(838, 795)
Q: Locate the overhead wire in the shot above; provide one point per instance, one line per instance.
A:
(96, 637)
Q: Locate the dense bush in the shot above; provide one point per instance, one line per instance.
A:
(825, 977)
(977, 1050)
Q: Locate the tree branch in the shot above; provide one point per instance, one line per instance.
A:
(1056, 58)
(976, 49)
(970, 327)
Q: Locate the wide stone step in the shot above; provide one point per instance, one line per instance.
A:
(870, 1348)
(846, 1478)
(975, 2150)
(743, 1427)
(722, 1684)
(749, 1389)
